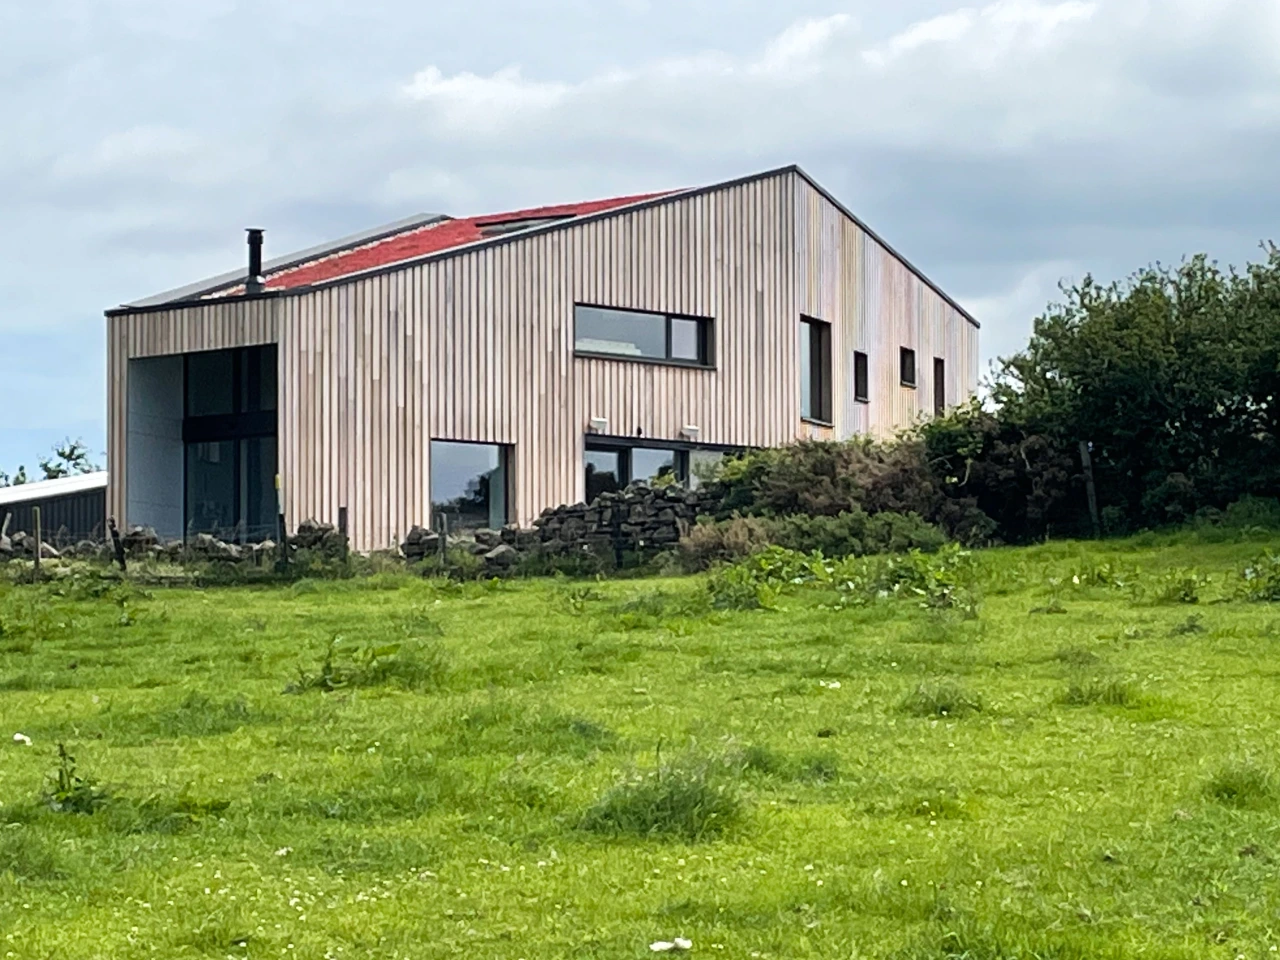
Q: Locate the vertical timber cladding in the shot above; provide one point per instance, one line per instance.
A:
(478, 346)
(218, 326)
(876, 304)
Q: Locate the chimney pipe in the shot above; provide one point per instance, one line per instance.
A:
(254, 283)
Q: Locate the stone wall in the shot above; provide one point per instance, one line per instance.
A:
(616, 530)
(637, 522)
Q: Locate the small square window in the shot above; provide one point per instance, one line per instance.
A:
(908, 367)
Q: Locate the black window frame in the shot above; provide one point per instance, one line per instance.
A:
(706, 338)
(821, 395)
(939, 386)
(861, 377)
(907, 365)
(624, 446)
(506, 461)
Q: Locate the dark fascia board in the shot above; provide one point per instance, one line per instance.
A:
(652, 202)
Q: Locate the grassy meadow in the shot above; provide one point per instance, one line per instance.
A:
(567, 769)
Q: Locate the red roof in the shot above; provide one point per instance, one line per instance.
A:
(421, 241)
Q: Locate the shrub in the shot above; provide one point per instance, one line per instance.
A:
(902, 533)
(828, 478)
(691, 801)
(740, 588)
(1252, 513)
(1260, 579)
(851, 533)
(1175, 586)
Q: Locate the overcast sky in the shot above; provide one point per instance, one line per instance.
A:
(1002, 147)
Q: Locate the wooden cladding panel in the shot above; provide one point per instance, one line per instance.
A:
(479, 347)
(876, 305)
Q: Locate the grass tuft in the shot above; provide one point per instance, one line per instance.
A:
(29, 857)
(1244, 786)
(1104, 693)
(942, 700)
(692, 801)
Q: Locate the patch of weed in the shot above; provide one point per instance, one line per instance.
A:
(69, 792)
(1244, 786)
(1077, 657)
(818, 768)
(1106, 693)
(410, 666)
(1192, 625)
(693, 800)
(26, 856)
(942, 700)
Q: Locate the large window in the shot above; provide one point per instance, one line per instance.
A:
(229, 430)
(907, 366)
(636, 335)
(468, 485)
(815, 370)
(939, 386)
(861, 378)
(612, 464)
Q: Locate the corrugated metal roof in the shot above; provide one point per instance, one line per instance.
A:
(46, 489)
(203, 287)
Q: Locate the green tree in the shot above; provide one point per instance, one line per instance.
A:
(69, 459)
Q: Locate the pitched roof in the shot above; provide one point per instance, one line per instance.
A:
(430, 235)
(235, 278)
(435, 238)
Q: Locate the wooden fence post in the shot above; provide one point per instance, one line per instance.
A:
(1086, 460)
(35, 515)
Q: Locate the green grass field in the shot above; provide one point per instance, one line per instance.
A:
(560, 769)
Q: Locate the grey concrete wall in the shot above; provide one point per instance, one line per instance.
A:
(154, 444)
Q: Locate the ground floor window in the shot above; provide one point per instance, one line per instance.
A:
(230, 488)
(229, 430)
(611, 465)
(469, 484)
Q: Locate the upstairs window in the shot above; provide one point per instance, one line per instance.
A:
(638, 335)
(939, 386)
(907, 364)
(815, 370)
(861, 378)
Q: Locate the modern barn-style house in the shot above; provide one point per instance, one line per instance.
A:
(486, 368)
